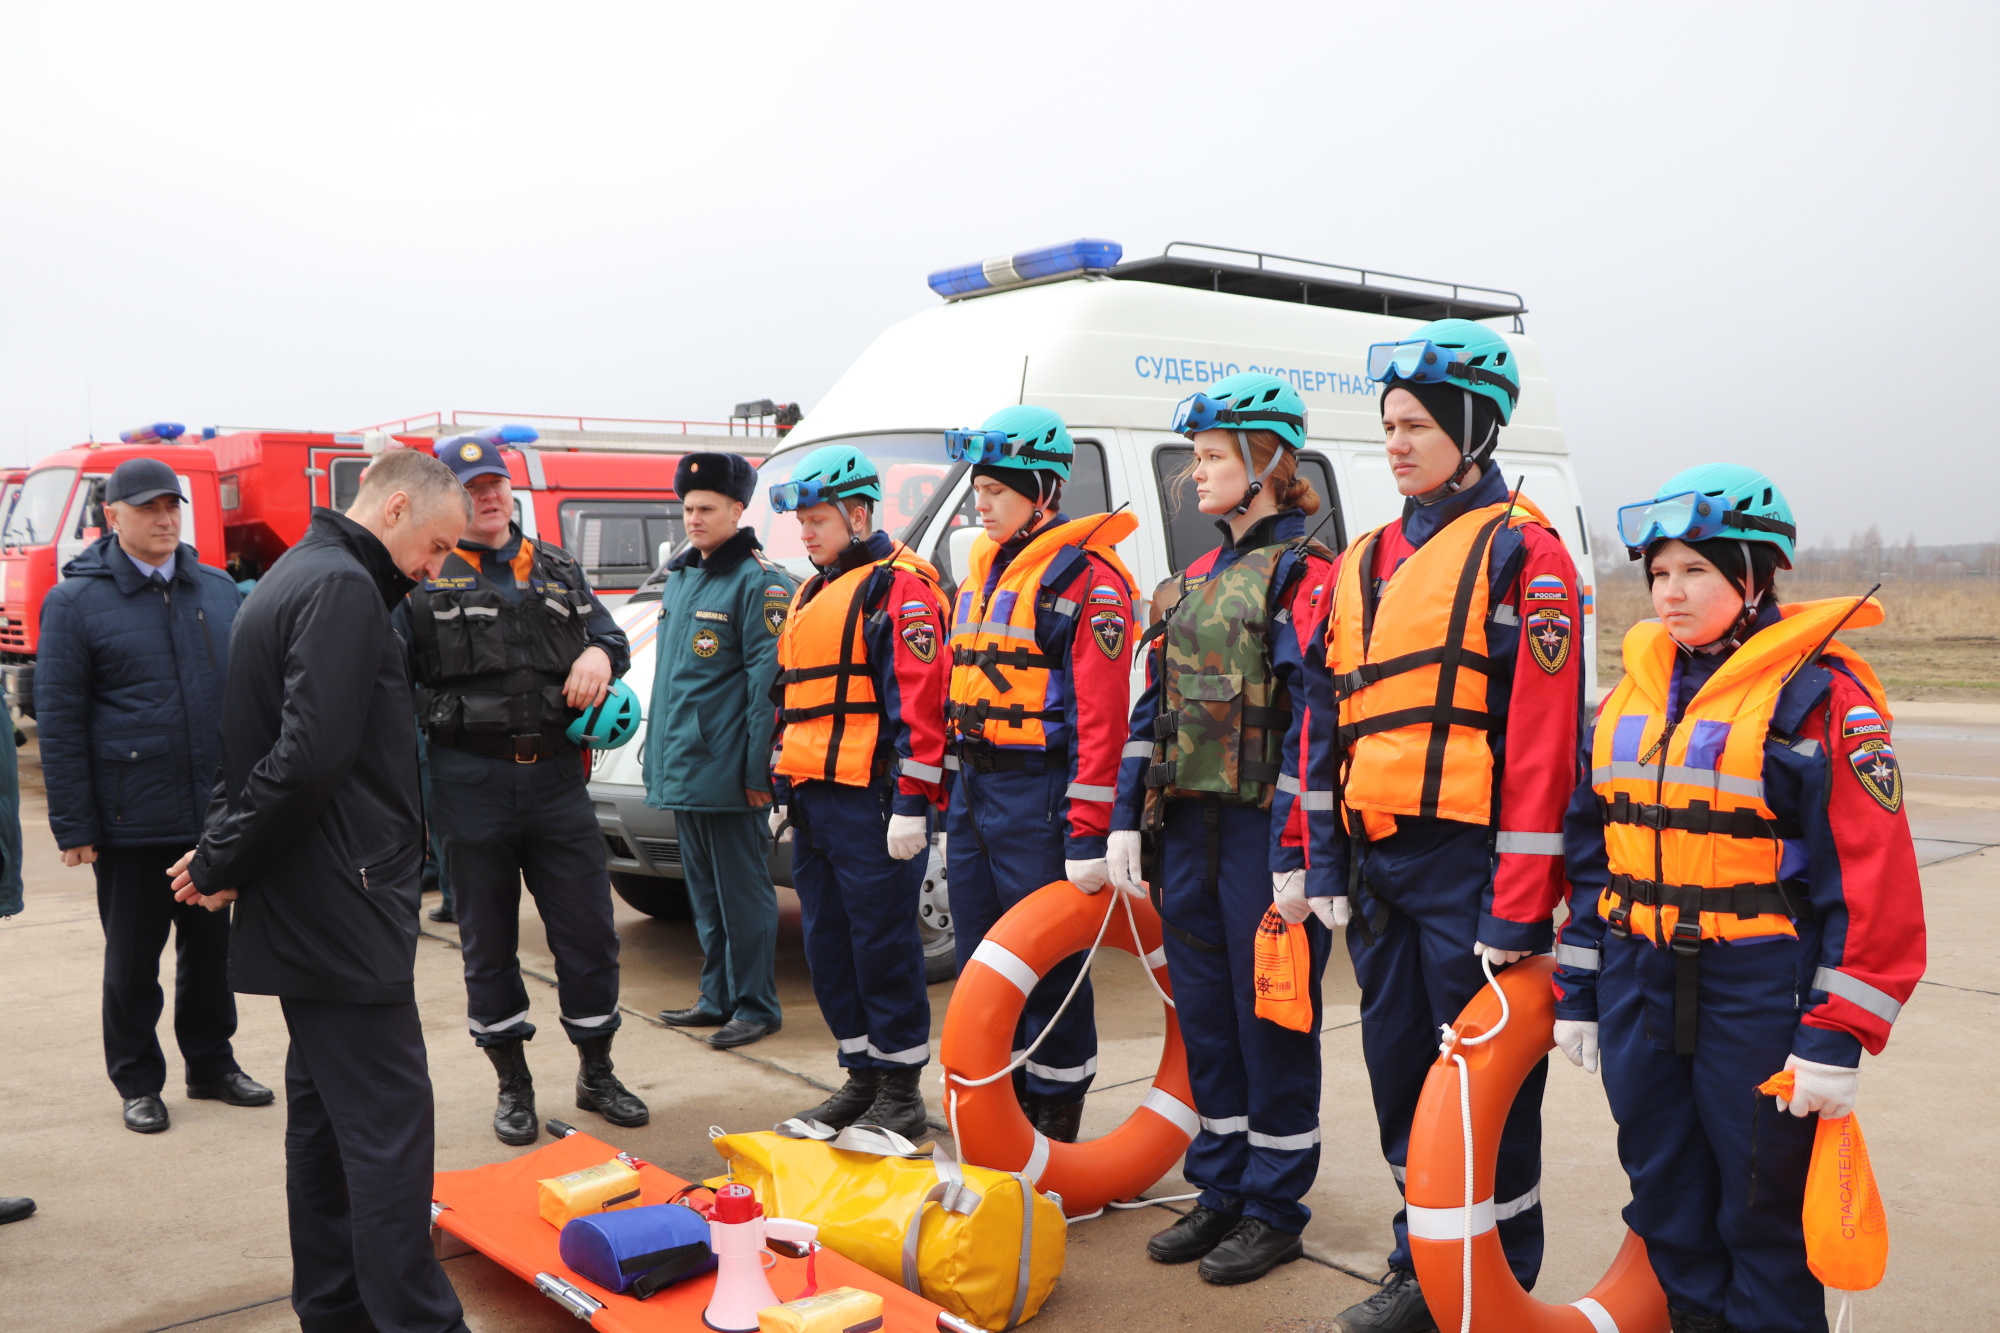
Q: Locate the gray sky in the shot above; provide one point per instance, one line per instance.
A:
(1739, 228)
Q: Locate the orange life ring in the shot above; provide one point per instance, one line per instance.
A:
(1627, 1299)
(1037, 933)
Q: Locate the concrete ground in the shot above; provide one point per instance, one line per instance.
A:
(186, 1229)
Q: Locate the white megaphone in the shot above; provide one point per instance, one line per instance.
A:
(738, 1232)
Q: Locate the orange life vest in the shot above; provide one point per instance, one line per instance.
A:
(1693, 844)
(1000, 675)
(830, 711)
(1396, 653)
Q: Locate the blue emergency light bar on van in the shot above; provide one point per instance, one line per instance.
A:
(163, 432)
(1084, 255)
(509, 434)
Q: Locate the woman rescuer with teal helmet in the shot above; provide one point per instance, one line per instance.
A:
(1041, 650)
(1743, 900)
(1202, 779)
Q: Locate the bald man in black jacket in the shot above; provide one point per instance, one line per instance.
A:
(316, 833)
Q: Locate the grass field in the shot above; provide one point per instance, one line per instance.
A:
(1940, 639)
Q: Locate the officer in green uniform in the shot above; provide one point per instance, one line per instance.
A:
(708, 748)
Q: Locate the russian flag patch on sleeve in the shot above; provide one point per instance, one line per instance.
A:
(1547, 588)
(1864, 721)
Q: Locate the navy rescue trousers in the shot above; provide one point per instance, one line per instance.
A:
(859, 905)
(1256, 1084)
(1718, 1173)
(1416, 976)
(1006, 841)
(500, 823)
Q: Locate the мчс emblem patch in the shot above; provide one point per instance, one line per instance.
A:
(1550, 634)
(1108, 628)
(1864, 721)
(706, 641)
(922, 639)
(1881, 777)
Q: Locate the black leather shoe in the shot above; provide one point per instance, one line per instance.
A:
(1251, 1249)
(899, 1106)
(598, 1089)
(1059, 1121)
(238, 1089)
(1193, 1236)
(1397, 1308)
(442, 912)
(849, 1103)
(1683, 1322)
(13, 1210)
(145, 1115)
(741, 1032)
(514, 1120)
(694, 1017)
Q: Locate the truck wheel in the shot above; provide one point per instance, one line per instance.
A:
(658, 897)
(934, 924)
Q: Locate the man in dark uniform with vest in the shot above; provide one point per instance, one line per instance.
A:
(509, 645)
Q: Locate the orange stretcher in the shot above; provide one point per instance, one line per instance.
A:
(493, 1209)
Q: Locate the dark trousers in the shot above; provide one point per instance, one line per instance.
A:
(1415, 977)
(359, 1153)
(725, 856)
(1006, 842)
(1256, 1084)
(138, 912)
(858, 905)
(502, 823)
(1718, 1174)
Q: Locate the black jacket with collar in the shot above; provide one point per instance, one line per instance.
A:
(316, 820)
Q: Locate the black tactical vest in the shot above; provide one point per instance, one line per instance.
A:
(488, 667)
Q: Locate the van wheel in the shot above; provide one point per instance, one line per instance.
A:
(658, 897)
(934, 924)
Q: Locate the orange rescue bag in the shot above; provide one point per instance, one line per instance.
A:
(1283, 960)
(1847, 1232)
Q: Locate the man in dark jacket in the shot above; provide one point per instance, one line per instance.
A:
(316, 831)
(134, 641)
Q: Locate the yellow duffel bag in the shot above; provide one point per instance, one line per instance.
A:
(981, 1243)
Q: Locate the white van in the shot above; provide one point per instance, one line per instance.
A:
(1113, 347)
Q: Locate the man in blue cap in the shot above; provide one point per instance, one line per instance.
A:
(708, 747)
(508, 645)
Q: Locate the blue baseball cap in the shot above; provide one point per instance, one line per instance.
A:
(469, 456)
(138, 480)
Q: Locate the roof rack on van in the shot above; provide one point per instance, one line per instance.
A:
(1356, 288)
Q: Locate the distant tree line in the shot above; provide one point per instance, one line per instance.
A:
(1865, 556)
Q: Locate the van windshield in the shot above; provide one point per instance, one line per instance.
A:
(39, 511)
(912, 464)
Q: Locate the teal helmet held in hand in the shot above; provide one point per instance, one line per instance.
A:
(1460, 352)
(1028, 438)
(834, 472)
(610, 724)
(1712, 500)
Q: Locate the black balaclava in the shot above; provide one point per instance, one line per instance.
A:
(1037, 484)
(1446, 402)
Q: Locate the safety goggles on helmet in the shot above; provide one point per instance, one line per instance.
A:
(1198, 412)
(1689, 517)
(990, 446)
(789, 497)
(1424, 362)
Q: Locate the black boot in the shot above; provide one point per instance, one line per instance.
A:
(899, 1106)
(1192, 1237)
(850, 1103)
(1397, 1308)
(514, 1118)
(1059, 1121)
(1683, 1322)
(598, 1089)
(1251, 1249)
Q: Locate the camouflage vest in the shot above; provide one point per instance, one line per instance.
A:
(1222, 717)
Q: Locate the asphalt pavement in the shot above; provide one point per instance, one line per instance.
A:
(186, 1230)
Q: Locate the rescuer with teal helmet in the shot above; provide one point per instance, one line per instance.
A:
(863, 670)
(1711, 508)
(1467, 377)
(1240, 404)
(1041, 650)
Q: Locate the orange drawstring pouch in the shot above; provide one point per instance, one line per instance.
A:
(1847, 1232)
(1281, 959)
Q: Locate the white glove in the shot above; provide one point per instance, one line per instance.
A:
(1288, 895)
(1335, 912)
(1087, 875)
(779, 814)
(1578, 1040)
(1827, 1089)
(1500, 957)
(1121, 854)
(908, 835)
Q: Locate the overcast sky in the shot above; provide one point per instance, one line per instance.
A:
(1762, 233)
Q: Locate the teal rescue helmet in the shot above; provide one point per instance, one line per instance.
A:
(1242, 403)
(826, 475)
(1014, 441)
(1716, 502)
(609, 724)
(1461, 354)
